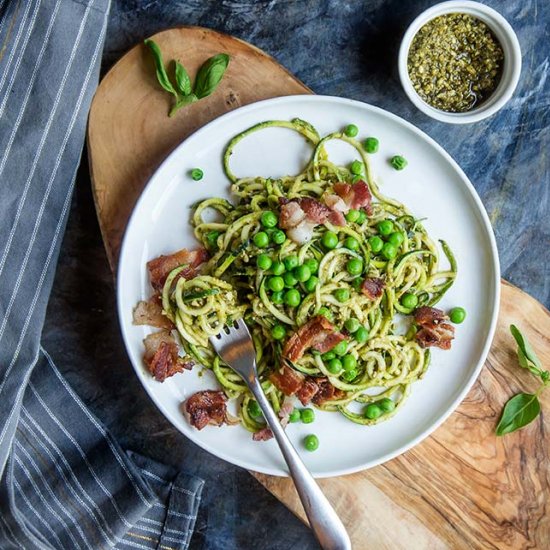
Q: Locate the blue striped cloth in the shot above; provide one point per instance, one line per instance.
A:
(65, 483)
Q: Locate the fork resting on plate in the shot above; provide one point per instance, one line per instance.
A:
(234, 345)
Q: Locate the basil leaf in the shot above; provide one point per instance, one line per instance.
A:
(522, 409)
(210, 75)
(182, 78)
(162, 76)
(182, 101)
(526, 364)
(526, 349)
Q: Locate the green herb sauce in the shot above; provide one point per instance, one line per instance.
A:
(455, 62)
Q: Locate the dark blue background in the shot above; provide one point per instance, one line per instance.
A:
(345, 48)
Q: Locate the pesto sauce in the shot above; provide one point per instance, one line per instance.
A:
(455, 62)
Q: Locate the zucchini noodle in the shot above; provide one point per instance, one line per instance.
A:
(387, 361)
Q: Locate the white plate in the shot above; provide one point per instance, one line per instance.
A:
(432, 186)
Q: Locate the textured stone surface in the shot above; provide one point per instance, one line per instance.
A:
(345, 48)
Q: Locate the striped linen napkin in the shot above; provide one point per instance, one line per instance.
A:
(65, 483)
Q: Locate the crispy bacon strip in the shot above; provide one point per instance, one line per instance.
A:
(355, 195)
(326, 392)
(287, 380)
(373, 287)
(434, 331)
(150, 313)
(318, 333)
(161, 355)
(300, 216)
(308, 390)
(159, 268)
(206, 407)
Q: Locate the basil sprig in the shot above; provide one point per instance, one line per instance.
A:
(523, 408)
(208, 77)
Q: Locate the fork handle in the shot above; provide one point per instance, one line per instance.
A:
(324, 521)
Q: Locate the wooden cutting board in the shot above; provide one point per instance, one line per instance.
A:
(462, 487)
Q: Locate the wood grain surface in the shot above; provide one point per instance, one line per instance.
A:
(462, 487)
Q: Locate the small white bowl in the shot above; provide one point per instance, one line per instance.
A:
(510, 72)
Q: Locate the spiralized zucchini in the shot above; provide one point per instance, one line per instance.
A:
(387, 363)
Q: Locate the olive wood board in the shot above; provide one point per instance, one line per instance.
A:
(462, 487)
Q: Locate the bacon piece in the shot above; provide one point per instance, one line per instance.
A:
(264, 434)
(161, 355)
(338, 209)
(159, 268)
(355, 196)
(150, 313)
(327, 392)
(287, 380)
(206, 407)
(318, 333)
(284, 412)
(291, 214)
(373, 287)
(434, 330)
(300, 216)
(308, 390)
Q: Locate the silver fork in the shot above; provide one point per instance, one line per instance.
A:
(234, 345)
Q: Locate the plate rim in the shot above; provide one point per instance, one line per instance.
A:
(495, 264)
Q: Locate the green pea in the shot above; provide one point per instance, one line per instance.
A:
(334, 366)
(275, 284)
(376, 244)
(389, 251)
(254, 409)
(325, 312)
(330, 240)
(311, 442)
(341, 348)
(352, 325)
(278, 236)
(354, 266)
(386, 404)
(313, 265)
(398, 162)
(349, 375)
(277, 297)
(409, 300)
(342, 295)
(351, 243)
(356, 167)
(362, 217)
(396, 238)
(349, 362)
(352, 216)
(292, 298)
(261, 239)
(197, 174)
(328, 356)
(278, 332)
(289, 279)
(371, 145)
(361, 335)
(263, 261)
(457, 315)
(302, 273)
(290, 262)
(294, 416)
(351, 130)
(385, 227)
(277, 268)
(311, 284)
(307, 416)
(373, 411)
(269, 219)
